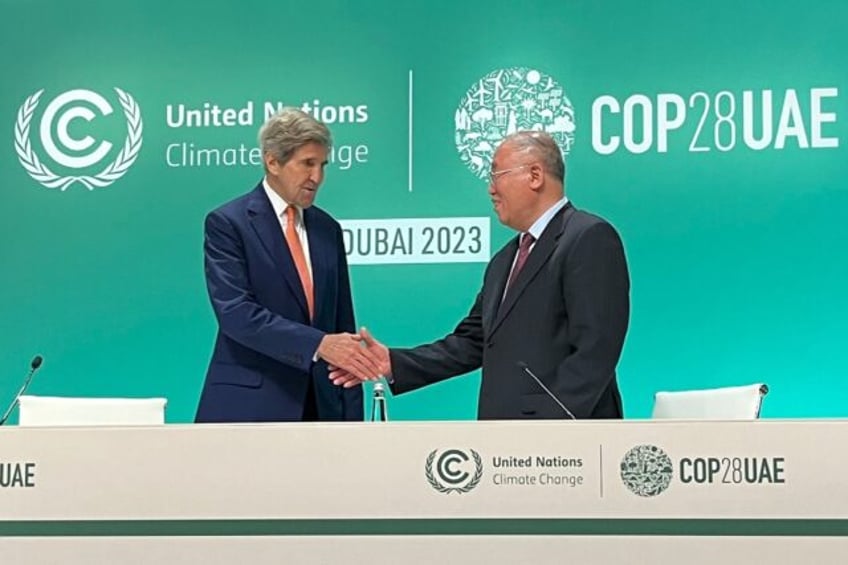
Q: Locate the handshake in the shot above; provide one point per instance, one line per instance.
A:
(355, 358)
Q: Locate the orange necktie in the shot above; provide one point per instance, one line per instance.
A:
(299, 258)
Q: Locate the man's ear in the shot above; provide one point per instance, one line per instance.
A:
(271, 163)
(537, 176)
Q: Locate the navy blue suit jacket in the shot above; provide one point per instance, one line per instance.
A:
(262, 361)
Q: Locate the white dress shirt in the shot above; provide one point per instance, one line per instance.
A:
(280, 206)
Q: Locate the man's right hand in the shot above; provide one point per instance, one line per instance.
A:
(346, 352)
(376, 351)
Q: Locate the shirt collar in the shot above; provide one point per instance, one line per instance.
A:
(539, 225)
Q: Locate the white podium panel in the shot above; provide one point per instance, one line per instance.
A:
(651, 469)
(267, 486)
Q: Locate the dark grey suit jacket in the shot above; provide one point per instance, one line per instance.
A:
(565, 316)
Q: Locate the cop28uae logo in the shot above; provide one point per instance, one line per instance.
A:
(56, 120)
(506, 101)
(646, 470)
(453, 470)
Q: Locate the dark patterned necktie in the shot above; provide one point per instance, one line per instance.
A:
(523, 251)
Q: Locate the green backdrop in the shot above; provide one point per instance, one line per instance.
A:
(736, 252)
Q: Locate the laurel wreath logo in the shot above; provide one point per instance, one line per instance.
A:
(40, 172)
(436, 484)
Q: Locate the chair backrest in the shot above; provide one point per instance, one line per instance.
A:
(725, 403)
(66, 411)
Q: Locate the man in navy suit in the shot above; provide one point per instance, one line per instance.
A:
(278, 281)
(554, 304)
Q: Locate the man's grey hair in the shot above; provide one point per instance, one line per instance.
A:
(290, 129)
(542, 146)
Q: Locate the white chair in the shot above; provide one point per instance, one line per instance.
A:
(67, 411)
(725, 403)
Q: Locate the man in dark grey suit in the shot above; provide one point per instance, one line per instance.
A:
(555, 302)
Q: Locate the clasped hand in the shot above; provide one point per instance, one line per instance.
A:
(355, 358)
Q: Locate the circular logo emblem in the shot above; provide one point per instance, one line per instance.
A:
(646, 470)
(506, 101)
(453, 470)
(63, 148)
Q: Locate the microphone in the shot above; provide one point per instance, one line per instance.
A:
(33, 367)
(527, 370)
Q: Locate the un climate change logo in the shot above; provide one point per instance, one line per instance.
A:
(449, 472)
(56, 119)
(646, 470)
(506, 101)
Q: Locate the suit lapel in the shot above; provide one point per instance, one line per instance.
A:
(267, 226)
(538, 257)
(321, 251)
(498, 274)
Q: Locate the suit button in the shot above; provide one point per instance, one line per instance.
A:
(490, 344)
